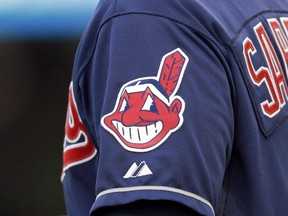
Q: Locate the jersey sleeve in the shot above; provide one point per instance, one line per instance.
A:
(156, 96)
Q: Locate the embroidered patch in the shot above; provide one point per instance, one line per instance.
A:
(261, 52)
(78, 147)
(147, 111)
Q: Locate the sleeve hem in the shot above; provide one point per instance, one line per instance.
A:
(120, 196)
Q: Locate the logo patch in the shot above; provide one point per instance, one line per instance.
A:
(78, 147)
(273, 75)
(136, 171)
(147, 110)
(260, 49)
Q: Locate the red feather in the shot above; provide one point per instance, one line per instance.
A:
(171, 69)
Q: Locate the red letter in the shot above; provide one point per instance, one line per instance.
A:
(273, 62)
(260, 76)
(282, 43)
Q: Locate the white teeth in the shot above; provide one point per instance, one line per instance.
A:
(138, 134)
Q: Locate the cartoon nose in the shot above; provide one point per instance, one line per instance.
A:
(131, 117)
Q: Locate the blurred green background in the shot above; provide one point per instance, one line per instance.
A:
(38, 40)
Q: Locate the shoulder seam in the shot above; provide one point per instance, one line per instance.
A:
(210, 38)
(251, 18)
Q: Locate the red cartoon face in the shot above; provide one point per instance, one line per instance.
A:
(146, 111)
(142, 120)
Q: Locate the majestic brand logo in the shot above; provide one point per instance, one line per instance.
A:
(136, 171)
(78, 147)
(147, 111)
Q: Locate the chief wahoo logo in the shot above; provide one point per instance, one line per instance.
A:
(147, 111)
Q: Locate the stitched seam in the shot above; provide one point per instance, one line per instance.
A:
(157, 188)
(253, 17)
(86, 63)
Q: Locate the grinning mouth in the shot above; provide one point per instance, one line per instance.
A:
(138, 134)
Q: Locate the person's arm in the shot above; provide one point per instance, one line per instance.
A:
(154, 95)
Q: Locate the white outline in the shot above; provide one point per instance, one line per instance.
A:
(75, 146)
(77, 163)
(285, 31)
(182, 70)
(70, 117)
(267, 69)
(157, 188)
(284, 20)
(260, 25)
(143, 87)
(256, 72)
(171, 99)
(276, 65)
(284, 41)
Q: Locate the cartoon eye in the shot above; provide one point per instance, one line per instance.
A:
(124, 106)
(149, 105)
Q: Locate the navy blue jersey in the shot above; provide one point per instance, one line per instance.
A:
(183, 101)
